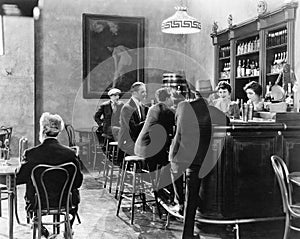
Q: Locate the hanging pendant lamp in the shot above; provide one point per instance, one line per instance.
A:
(181, 23)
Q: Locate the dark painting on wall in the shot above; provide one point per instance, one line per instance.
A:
(113, 54)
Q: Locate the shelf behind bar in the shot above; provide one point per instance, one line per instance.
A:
(277, 46)
(224, 58)
(246, 77)
(248, 53)
(272, 74)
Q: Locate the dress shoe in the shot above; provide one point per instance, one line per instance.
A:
(177, 209)
(44, 232)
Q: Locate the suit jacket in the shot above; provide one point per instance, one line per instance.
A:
(130, 126)
(50, 152)
(110, 118)
(193, 131)
(155, 138)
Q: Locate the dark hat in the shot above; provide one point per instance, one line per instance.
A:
(204, 87)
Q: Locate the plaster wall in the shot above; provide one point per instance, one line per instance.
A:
(16, 79)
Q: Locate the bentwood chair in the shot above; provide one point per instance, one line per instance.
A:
(53, 186)
(291, 210)
(96, 148)
(83, 146)
(5, 136)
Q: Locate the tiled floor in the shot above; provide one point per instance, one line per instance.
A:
(99, 220)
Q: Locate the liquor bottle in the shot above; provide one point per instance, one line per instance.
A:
(248, 69)
(289, 100)
(286, 57)
(239, 69)
(256, 68)
(274, 66)
(277, 38)
(285, 36)
(268, 97)
(243, 69)
(252, 68)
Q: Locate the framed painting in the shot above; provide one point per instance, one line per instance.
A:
(113, 54)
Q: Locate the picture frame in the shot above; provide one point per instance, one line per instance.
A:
(113, 54)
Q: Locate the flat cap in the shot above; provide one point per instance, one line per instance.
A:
(113, 91)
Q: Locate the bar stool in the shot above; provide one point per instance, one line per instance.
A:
(107, 140)
(111, 163)
(137, 184)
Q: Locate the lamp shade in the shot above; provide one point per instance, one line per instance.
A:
(181, 23)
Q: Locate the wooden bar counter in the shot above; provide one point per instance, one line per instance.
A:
(242, 183)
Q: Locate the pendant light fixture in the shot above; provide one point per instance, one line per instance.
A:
(181, 22)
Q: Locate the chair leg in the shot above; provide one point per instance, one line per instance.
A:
(0, 203)
(106, 173)
(121, 189)
(112, 168)
(16, 207)
(287, 226)
(154, 187)
(68, 229)
(95, 158)
(133, 193)
(143, 195)
(157, 204)
(118, 182)
(34, 230)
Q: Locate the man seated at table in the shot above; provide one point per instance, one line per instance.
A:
(50, 152)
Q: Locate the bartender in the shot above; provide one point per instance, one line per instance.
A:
(254, 94)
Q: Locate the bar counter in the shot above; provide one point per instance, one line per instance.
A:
(242, 183)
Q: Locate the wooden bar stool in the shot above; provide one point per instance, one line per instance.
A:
(111, 163)
(107, 140)
(134, 174)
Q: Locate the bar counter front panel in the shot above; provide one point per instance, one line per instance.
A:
(242, 184)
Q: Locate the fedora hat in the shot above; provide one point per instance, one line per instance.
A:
(204, 87)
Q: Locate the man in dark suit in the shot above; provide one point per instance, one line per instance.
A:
(188, 151)
(50, 152)
(108, 115)
(132, 118)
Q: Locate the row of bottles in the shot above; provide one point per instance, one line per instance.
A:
(224, 51)
(225, 73)
(279, 59)
(277, 38)
(247, 47)
(245, 68)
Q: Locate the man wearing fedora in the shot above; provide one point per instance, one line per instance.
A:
(204, 88)
(108, 115)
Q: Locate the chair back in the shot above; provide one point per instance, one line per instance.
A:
(53, 186)
(76, 149)
(5, 138)
(7, 132)
(71, 134)
(94, 135)
(23, 145)
(282, 175)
